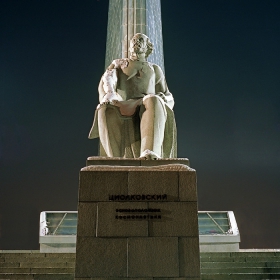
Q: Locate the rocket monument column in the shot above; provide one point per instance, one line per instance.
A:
(128, 17)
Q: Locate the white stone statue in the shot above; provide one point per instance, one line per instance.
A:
(135, 118)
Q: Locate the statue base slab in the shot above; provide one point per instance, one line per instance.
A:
(97, 160)
(137, 222)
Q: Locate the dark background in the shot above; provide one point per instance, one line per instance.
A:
(222, 65)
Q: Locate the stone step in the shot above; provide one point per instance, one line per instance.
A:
(240, 259)
(273, 252)
(38, 255)
(53, 276)
(273, 270)
(60, 266)
(38, 264)
(238, 264)
(210, 270)
(240, 276)
(49, 262)
(41, 270)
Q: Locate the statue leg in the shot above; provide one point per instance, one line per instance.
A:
(153, 119)
(110, 126)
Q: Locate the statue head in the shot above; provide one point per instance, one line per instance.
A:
(140, 44)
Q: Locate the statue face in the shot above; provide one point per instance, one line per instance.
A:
(138, 44)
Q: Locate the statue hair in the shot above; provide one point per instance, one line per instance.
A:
(137, 39)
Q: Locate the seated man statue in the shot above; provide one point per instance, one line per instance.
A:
(135, 118)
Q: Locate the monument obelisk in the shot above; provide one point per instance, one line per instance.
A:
(128, 17)
(137, 217)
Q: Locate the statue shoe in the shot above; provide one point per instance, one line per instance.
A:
(149, 155)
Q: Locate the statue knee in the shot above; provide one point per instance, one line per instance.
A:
(151, 101)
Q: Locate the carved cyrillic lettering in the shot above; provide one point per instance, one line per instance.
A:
(138, 197)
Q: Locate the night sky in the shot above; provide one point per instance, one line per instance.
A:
(222, 66)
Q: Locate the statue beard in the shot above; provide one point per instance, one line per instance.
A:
(135, 55)
(136, 51)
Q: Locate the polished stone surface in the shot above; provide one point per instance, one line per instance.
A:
(153, 257)
(137, 222)
(101, 257)
(109, 226)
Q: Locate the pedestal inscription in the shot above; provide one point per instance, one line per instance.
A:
(137, 222)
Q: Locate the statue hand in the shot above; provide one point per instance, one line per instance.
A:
(109, 97)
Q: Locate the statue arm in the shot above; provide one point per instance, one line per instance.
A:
(108, 85)
(162, 88)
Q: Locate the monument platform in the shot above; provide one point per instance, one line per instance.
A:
(118, 161)
(137, 222)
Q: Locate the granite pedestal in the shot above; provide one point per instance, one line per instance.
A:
(137, 222)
